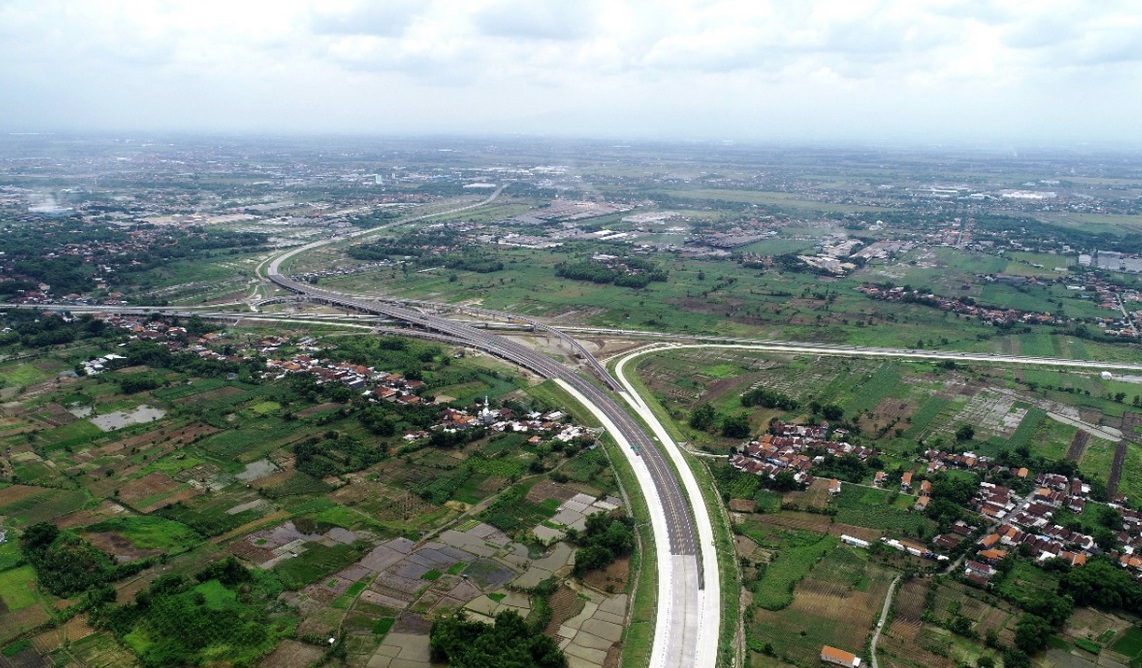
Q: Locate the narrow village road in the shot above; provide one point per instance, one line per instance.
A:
(888, 598)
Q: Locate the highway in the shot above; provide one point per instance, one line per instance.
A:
(682, 594)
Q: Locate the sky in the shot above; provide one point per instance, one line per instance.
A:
(1039, 71)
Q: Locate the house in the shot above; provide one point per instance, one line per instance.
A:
(925, 488)
(834, 487)
(946, 541)
(922, 503)
(839, 657)
(989, 540)
(906, 482)
(879, 479)
(980, 569)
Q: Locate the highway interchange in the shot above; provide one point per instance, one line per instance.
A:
(689, 602)
(682, 636)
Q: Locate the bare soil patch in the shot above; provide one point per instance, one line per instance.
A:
(219, 393)
(146, 487)
(613, 578)
(411, 622)
(292, 654)
(118, 546)
(891, 408)
(547, 489)
(170, 435)
(815, 496)
(565, 604)
(15, 493)
(1078, 446)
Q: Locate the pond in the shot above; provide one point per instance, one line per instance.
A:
(120, 419)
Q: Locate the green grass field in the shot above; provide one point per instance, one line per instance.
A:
(1129, 643)
(1131, 482)
(873, 388)
(22, 375)
(1026, 580)
(800, 552)
(315, 563)
(17, 588)
(9, 554)
(865, 507)
(1098, 458)
(150, 532)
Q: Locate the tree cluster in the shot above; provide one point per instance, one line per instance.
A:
(65, 564)
(508, 643)
(630, 272)
(38, 331)
(769, 399)
(335, 454)
(185, 628)
(606, 538)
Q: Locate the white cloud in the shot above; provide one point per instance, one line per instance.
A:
(714, 67)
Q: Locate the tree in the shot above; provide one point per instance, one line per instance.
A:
(736, 426)
(1031, 633)
(604, 539)
(39, 536)
(965, 433)
(702, 418)
(784, 482)
(1051, 607)
(1014, 657)
(832, 412)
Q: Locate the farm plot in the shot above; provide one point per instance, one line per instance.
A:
(935, 409)
(211, 516)
(148, 489)
(815, 496)
(836, 604)
(874, 388)
(991, 412)
(954, 599)
(1129, 644)
(796, 556)
(866, 507)
(42, 506)
(512, 512)
(317, 562)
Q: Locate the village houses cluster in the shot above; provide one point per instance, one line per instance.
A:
(377, 385)
(372, 384)
(1029, 520)
(990, 316)
(784, 449)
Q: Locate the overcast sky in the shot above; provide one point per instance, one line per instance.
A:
(1038, 71)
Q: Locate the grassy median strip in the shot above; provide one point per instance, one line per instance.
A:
(638, 637)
